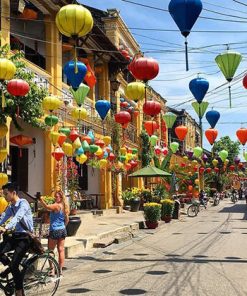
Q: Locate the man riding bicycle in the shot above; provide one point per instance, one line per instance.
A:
(19, 241)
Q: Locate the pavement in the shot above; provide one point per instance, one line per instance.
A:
(201, 256)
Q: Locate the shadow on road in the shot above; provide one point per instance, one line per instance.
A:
(236, 208)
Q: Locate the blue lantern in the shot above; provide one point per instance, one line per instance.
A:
(122, 100)
(212, 117)
(102, 107)
(105, 154)
(110, 147)
(185, 13)
(79, 151)
(91, 135)
(199, 88)
(75, 78)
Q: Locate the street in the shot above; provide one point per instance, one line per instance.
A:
(205, 255)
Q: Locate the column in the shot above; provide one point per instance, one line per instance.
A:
(5, 22)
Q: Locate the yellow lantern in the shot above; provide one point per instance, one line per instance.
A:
(79, 113)
(54, 137)
(226, 161)
(197, 181)
(81, 159)
(135, 91)
(3, 179)
(129, 156)
(51, 103)
(194, 162)
(103, 163)
(3, 204)
(215, 162)
(74, 21)
(123, 150)
(99, 152)
(68, 149)
(7, 69)
(3, 130)
(185, 158)
(3, 154)
(107, 140)
(77, 143)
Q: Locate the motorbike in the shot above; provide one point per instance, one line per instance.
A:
(216, 199)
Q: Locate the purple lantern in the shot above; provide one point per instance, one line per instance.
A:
(190, 154)
(204, 158)
(236, 160)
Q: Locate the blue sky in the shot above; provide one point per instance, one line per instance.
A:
(172, 81)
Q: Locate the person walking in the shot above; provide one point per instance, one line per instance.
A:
(59, 218)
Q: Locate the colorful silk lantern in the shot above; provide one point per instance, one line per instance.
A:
(67, 149)
(54, 137)
(3, 179)
(102, 107)
(21, 141)
(3, 130)
(81, 158)
(62, 138)
(85, 146)
(7, 69)
(143, 68)
(65, 130)
(80, 93)
(197, 151)
(124, 104)
(135, 91)
(51, 103)
(153, 140)
(228, 63)
(107, 140)
(103, 163)
(100, 143)
(201, 170)
(3, 154)
(236, 160)
(79, 113)
(75, 78)
(185, 13)
(242, 135)
(93, 148)
(211, 135)
(204, 158)
(232, 168)
(87, 139)
(212, 117)
(181, 132)
(58, 154)
(77, 143)
(157, 150)
(164, 151)
(245, 81)
(152, 108)
(208, 170)
(122, 117)
(174, 147)
(169, 119)
(150, 127)
(223, 154)
(199, 87)
(200, 109)
(111, 156)
(91, 135)
(133, 164)
(3, 205)
(73, 135)
(51, 120)
(123, 150)
(217, 170)
(18, 87)
(215, 162)
(79, 151)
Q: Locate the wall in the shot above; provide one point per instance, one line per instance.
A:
(93, 181)
(35, 164)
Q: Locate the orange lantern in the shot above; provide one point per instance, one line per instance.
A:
(21, 141)
(181, 132)
(150, 127)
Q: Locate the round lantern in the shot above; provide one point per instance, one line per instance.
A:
(190, 188)
(245, 81)
(150, 127)
(236, 160)
(240, 165)
(133, 164)
(18, 87)
(242, 135)
(174, 147)
(135, 91)
(74, 21)
(65, 131)
(3, 204)
(164, 151)
(122, 117)
(124, 104)
(198, 151)
(68, 149)
(223, 154)
(51, 103)
(211, 135)
(58, 154)
(215, 162)
(3, 179)
(197, 181)
(107, 140)
(79, 113)
(208, 170)
(232, 168)
(128, 166)
(153, 140)
(3, 130)
(81, 158)
(123, 150)
(143, 68)
(3, 154)
(51, 120)
(181, 132)
(151, 108)
(217, 170)
(201, 170)
(7, 69)
(54, 137)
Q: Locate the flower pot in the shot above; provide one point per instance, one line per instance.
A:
(73, 212)
(167, 219)
(44, 216)
(73, 225)
(135, 205)
(152, 225)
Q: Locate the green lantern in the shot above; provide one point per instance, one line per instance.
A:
(169, 119)
(93, 148)
(85, 146)
(51, 120)
(200, 109)
(122, 158)
(153, 140)
(197, 152)
(65, 130)
(228, 63)
(174, 147)
(134, 151)
(223, 154)
(80, 94)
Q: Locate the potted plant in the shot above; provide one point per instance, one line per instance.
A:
(152, 214)
(167, 207)
(131, 197)
(43, 213)
(73, 208)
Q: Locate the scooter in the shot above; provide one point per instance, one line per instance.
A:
(216, 199)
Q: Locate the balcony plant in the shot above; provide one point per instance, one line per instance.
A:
(131, 197)
(152, 214)
(167, 207)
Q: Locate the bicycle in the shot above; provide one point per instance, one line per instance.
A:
(194, 208)
(41, 275)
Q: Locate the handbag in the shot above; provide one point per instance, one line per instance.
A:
(35, 243)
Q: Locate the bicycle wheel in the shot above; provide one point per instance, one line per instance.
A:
(192, 211)
(41, 276)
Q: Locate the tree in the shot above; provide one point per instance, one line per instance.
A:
(225, 143)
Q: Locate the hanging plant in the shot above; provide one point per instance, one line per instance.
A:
(145, 149)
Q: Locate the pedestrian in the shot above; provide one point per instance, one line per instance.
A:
(245, 193)
(59, 218)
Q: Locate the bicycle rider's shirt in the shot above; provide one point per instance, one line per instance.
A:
(20, 212)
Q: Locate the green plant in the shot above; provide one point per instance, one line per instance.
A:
(152, 212)
(160, 191)
(74, 205)
(29, 107)
(130, 194)
(146, 195)
(49, 200)
(167, 207)
(145, 155)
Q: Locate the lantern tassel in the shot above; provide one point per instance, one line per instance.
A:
(230, 95)
(3, 100)
(186, 54)
(75, 59)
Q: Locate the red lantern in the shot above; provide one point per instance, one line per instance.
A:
(150, 127)
(99, 143)
(181, 132)
(232, 168)
(240, 165)
(62, 138)
(128, 166)
(183, 165)
(211, 135)
(165, 151)
(125, 53)
(143, 68)
(133, 164)
(201, 170)
(242, 135)
(216, 170)
(208, 170)
(87, 139)
(190, 188)
(21, 141)
(58, 154)
(195, 169)
(124, 104)
(122, 117)
(151, 108)
(108, 149)
(18, 87)
(73, 135)
(111, 156)
(245, 81)
(157, 150)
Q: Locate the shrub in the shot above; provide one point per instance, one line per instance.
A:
(152, 212)
(130, 194)
(167, 207)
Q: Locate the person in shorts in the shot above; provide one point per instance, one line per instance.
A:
(59, 217)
